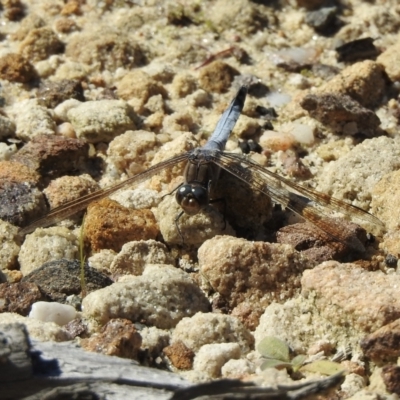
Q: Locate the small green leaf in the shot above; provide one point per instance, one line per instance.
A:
(324, 367)
(272, 363)
(298, 361)
(272, 347)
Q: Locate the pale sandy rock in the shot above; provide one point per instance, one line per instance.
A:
(210, 328)
(45, 245)
(55, 312)
(352, 384)
(140, 86)
(240, 16)
(61, 111)
(35, 120)
(190, 229)
(355, 174)
(10, 245)
(183, 84)
(42, 331)
(154, 340)
(341, 295)
(259, 272)
(211, 357)
(133, 257)
(386, 200)
(137, 198)
(160, 71)
(161, 297)
(72, 70)
(101, 121)
(132, 151)
(102, 260)
(390, 59)
(183, 120)
(300, 323)
(363, 81)
(235, 369)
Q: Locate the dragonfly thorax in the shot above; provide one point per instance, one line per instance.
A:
(192, 197)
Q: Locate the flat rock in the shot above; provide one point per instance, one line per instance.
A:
(346, 293)
(363, 81)
(52, 155)
(102, 120)
(59, 279)
(341, 113)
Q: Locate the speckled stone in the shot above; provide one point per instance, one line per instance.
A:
(19, 297)
(118, 337)
(59, 279)
(52, 93)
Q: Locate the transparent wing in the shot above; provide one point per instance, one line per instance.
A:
(282, 190)
(72, 207)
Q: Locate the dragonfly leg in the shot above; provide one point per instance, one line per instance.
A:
(222, 200)
(172, 191)
(177, 225)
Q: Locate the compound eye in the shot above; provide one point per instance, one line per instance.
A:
(192, 198)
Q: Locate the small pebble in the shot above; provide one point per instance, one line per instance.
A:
(55, 312)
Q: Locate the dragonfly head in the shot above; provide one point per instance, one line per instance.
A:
(192, 198)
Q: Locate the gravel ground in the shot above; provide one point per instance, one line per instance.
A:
(94, 92)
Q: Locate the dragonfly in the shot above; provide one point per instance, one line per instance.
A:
(203, 166)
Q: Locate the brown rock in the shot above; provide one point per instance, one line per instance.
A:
(52, 93)
(15, 68)
(217, 77)
(180, 355)
(251, 271)
(67, 188)
(118, 337)
(19, 297)
(338, 111)
(346, 294)
(40, 43)
(71, 7)
(310, 4)
(13, 9)
(65, 25)
(317, 245)
(13, 171)
(108, 225)
(248, 314)
(363, 81)
(52, 155)
(391, 378)
(384, 343)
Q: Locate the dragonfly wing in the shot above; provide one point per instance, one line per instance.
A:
(280, 190)
(72, 207)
